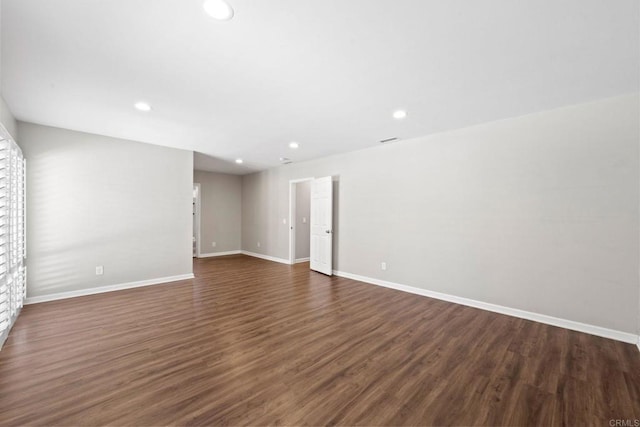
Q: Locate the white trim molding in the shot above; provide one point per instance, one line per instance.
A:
(638, 344)
(267, 257)
(541, 318)
(298, 260)
(212, 254)
(109, 288)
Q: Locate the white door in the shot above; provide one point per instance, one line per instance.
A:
(322, 225)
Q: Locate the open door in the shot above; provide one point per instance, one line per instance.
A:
(322, 225)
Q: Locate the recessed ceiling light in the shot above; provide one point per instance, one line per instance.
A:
(218, 9)
(239, 161)
(399, 114)
(142, 106)
(293, 145)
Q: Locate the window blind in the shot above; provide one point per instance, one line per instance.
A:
(13, 251)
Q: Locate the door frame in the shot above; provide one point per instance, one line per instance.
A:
(197, 219)
(292, 217)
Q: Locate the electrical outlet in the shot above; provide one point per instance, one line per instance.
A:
(258, 244)
(99, 270)
(213, 244)
(284, 221)
(304, 219)
(383, 266)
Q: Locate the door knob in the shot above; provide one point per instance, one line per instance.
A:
(328, 231)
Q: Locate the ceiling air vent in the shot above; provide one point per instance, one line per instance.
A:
(388, 140)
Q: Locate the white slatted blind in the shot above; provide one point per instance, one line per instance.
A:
(12, 232)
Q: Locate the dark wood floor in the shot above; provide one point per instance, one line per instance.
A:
(260, 343)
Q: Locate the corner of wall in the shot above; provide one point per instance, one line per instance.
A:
(8, 120)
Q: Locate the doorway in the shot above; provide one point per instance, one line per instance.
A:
(196, 220)
(314, 232)
(299, 220)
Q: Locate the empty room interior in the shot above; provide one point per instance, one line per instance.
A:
(235, 212)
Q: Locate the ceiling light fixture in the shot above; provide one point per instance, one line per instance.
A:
(142, 106)
(388, 140)
(293, 145)
(239, 161)
(399, 114)
(218, 9)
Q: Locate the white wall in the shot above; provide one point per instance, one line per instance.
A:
(6, 117)
(93, 200)
(221, 207)
(538, 213)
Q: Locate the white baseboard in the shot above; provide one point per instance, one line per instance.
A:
(267, 257)
(103, 289)
(542, 318)
(212, 254)
(302, 259)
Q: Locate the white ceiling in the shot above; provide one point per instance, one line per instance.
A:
(325, 73)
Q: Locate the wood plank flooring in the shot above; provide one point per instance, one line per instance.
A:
(254, 342)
